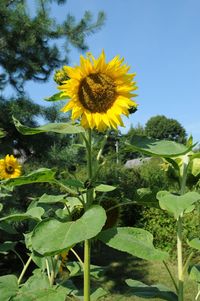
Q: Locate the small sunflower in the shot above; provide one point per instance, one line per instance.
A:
(9, 167)
(100, 92)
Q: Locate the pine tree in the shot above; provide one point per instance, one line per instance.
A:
(27, 51)
(30, 50)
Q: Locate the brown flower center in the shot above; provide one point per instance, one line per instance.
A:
(97, 92)
(10, 169)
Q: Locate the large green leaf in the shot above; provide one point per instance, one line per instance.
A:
(62, 235)
(42, 175)
(52, 199)
(135, 241)
(37, 287)
(56, 97)
(8, 287)
(177, 204)
(158, 148)
(33, 213)
(60, 128)
(157, 291)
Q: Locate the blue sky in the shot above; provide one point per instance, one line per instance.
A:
(160, 40)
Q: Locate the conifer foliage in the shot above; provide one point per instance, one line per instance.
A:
(28, 49)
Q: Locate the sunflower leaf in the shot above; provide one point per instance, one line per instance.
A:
(157, 148)
(42, 175)
(65, 234)
(59, 128)
(56, 97)
(135, 241)
(142, 290)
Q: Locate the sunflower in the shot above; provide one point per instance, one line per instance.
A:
(9, 167)
(99, 92)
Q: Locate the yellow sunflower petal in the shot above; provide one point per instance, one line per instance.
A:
(100, 92)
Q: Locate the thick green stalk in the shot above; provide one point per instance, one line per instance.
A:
(183, 177)
(180, 259)
(87, 245)
(87, 270)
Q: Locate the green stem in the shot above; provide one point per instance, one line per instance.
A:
(48, 270)
(183, 177)
(171, 276)
(87, 270)
(24, 270)
(87, 246)
(78, 257)
(180, 259)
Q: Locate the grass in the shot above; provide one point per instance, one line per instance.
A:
(121, 266)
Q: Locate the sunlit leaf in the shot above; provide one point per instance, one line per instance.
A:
(177, 204)
(42, 175)
(60, 128)
(104, 188)
(56, 97)
(62, 235)
(157, 148)
(135, 241)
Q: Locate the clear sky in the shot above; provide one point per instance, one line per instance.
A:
(160, 40)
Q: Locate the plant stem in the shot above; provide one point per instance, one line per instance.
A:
(171, 276)
(183, 177)
(78, 257)
(24, 270)
(87, 270)
(180, 259)
(87, 245)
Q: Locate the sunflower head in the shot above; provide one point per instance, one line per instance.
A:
(9, 167)
(100, 92)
